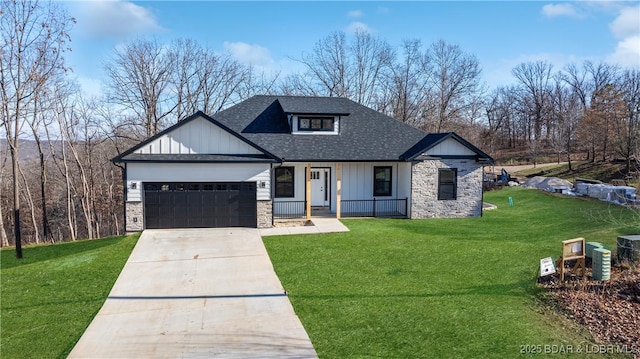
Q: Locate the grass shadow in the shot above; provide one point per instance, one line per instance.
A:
(40, 253)
(516, 289)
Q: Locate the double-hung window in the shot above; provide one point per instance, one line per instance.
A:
(447, 183)
(284, 182)
(382, 181)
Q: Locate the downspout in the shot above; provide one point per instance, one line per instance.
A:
(272, 193)
(410, 205)
(482, 195)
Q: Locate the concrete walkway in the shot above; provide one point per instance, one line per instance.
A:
(196, 293)
(320, 225)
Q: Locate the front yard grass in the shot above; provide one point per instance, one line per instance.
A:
(50, 297)
(441, 288)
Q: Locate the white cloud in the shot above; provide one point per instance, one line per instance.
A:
(355, 13)
(627, 23)
(249, 54)
(627, 52)
(553, 10)
(113, 19)
(358, 26)
(626, 28)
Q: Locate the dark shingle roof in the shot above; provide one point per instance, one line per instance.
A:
(433, 139)
(365, 134)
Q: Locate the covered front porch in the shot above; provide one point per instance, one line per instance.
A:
(341, 190)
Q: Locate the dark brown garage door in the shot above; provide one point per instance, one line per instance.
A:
(200, 205)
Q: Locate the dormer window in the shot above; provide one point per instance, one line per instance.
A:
(316, 123)
(311, 124)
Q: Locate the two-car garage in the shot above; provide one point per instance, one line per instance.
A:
(199, 204)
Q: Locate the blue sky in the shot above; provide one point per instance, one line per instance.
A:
(270, 35)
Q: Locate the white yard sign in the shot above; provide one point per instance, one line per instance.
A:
(547, 267)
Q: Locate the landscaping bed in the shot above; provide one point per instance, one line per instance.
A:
(609, 310)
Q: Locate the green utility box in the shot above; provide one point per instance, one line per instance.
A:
(601, 264)
(629, 248)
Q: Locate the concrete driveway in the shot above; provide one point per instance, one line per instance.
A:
(196, 293)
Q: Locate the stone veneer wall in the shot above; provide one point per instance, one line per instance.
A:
(424, 189)
(134, 209)
(265, 214)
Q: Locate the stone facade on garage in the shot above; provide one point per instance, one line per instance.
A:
(265, 214)
(134, 220)
(424, 189)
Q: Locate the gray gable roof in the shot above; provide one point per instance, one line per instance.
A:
(433, 139)
(263, 123)
(365, 134)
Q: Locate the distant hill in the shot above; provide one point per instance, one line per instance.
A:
(27, 150)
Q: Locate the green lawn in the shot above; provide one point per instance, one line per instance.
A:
(440, 288)
(50, 297)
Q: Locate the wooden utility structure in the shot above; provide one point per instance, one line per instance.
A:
(572, 249)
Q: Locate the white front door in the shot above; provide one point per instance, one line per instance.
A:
(320, 187)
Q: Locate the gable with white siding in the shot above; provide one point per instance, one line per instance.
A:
(199, 136)
(450, 147)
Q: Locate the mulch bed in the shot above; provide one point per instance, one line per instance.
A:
(293, 223)
(609, 310)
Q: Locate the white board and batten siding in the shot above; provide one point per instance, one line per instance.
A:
(139, 173)
(450, 147)
(357, 180)
(198, 137)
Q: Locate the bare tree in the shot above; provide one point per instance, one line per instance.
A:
(627, 143)
(139, 80)
(34, 37)
(408, 85)
(354, 70)
(372, 59)
(328, 65)
(297, 85)
(4, 240)
(567, 109)
(535, 78)
(456, 86)
(501, 111)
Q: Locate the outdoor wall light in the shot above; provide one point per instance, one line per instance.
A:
(135, 219)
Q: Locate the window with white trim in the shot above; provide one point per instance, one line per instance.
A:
(316, 123)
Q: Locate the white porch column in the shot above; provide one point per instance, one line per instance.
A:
(338, 188)
(308, 171)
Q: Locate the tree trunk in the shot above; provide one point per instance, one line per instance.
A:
(34, 222)
(46, 230)
(16, 194)
(67, 182)
(4, 240)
